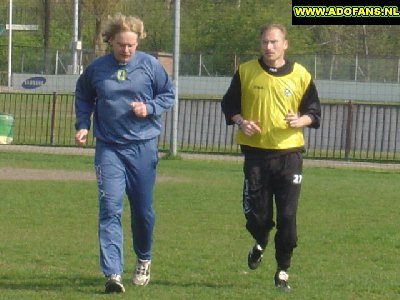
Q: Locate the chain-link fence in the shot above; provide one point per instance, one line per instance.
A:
(322, 67)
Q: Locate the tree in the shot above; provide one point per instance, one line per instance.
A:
(157, 16)
(46, 35)
(217, 29)
(100, 10)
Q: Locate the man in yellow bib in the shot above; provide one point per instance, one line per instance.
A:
(271, 99)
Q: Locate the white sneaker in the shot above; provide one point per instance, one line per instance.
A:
(114, 284)
(281, 280)
(141, 275)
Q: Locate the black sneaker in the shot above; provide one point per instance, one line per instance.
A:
(114, 284)
(255, 256)
(281, 280)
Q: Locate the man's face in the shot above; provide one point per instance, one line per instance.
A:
(124, 45)
(273, 46)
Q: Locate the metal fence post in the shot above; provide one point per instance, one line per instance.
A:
(315, 67)
(349, 128)
(356, 68)
(53, 118)
(175, 109)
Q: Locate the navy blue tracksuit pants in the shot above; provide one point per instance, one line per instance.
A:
(131, 170)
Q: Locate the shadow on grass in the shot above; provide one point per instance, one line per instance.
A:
(84, 285)
(37, 282)
(190, 284)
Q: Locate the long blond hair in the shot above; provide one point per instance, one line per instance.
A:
(121, 23)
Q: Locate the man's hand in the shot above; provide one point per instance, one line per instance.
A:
(294, 121)
(250, 127)
(81, 136)
(139, 109)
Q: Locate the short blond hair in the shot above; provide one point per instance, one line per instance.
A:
(121, 23)
(267, 27)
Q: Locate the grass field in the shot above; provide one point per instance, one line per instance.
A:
(348, 221)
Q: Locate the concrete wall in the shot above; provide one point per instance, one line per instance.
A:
(217, 86)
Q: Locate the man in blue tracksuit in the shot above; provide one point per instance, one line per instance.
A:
(126, 91)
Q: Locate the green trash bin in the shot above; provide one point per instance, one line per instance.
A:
(6, 128)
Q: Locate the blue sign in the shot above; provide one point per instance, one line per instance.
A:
(33, 82)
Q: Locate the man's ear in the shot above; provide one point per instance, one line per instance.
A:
(285, 44)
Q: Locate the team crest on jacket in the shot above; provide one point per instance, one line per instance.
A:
(287, 92)
(121, 74)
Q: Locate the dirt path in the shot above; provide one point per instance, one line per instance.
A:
(61, 175)
(7, 173)
(40, 174)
